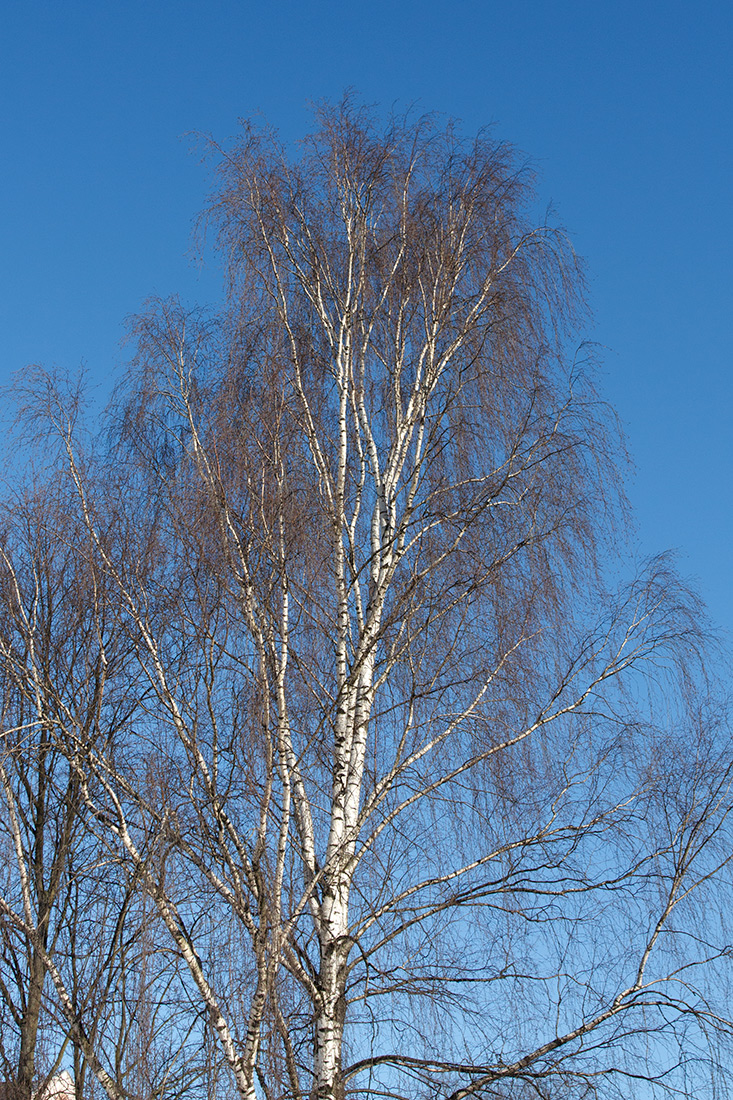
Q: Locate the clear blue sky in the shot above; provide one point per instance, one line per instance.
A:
(625, 108)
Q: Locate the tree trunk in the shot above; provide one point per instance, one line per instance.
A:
(331, 1011)
(29, 1029)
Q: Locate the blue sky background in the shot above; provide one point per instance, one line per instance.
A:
(625, 108)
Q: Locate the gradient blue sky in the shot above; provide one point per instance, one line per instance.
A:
(625, 108)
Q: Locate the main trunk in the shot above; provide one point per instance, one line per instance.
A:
(333, 923)
(331, 1007)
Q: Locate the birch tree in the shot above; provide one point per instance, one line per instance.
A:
(426, 795)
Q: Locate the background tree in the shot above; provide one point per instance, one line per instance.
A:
(425, 804)
(83, 978)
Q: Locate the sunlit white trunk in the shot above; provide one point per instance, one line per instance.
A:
(335, 942)
(332, 1008)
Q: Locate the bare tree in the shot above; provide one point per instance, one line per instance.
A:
(83, 976)
(425, 804)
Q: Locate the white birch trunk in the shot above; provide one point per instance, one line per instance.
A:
(331, 1010)
(335, 942)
